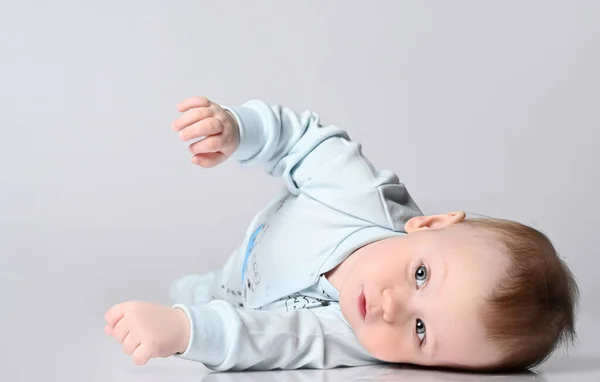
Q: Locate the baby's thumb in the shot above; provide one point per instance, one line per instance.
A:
(208, 160)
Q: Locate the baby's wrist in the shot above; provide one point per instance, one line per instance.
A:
(185, 332)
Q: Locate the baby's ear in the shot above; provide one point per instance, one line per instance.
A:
(419, 223)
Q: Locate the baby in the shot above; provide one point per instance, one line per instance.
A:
(341, 268)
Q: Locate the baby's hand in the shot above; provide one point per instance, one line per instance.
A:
(148, 330)
(203, 118)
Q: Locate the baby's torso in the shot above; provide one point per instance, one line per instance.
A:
(289, 245)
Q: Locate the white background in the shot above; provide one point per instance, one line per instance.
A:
(489, 107)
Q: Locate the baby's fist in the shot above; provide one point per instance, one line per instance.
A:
(204, 118)
(148, 330)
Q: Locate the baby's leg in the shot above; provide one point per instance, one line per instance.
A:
(221, 284)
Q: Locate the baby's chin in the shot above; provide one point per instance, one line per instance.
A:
(348, 306)
(350, 314)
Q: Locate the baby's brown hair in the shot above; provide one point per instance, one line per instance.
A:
(532, 310)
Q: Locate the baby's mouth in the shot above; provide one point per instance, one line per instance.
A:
(362, 305)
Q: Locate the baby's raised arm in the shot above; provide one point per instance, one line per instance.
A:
(318, 160)
(254, 134)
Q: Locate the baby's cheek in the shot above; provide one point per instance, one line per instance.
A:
(386, 343)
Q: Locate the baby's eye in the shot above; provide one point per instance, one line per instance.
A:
(421, 276)
(420, 329)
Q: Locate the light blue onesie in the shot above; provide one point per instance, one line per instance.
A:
(270, 307)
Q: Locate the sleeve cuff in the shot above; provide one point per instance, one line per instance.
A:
(250, 127)
(207, 342)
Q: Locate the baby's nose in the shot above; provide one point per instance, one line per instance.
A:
(391, 305)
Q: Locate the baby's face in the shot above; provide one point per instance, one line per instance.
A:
(423, 297)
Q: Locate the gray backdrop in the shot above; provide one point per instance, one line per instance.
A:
(490, 107)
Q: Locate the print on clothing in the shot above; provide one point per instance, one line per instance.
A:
(231, 291)
(249, 281)
(256, 276)
(251, 244)
(298, 301)
(235, 293)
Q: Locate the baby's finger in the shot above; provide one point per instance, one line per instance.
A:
(141, 355)
(108, 330)
(130, 344)
(120, 331)
(191, 102)
(209, 160)
(210, 144)
(191, 116)
(204, 128)
(113, 315)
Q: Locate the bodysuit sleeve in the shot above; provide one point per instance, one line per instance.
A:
(226, 338)
(321, 162)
